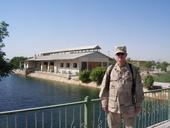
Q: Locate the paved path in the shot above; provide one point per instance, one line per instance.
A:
(163, 85)
(164, 124)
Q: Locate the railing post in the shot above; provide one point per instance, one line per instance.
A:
(87, 113)
(168, 103)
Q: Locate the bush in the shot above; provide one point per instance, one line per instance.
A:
(148, 82)
(97, 75)
(84, 76)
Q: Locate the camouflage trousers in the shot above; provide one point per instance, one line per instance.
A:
(114, 120)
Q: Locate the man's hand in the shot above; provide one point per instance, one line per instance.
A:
(105, 109)
(104, 103)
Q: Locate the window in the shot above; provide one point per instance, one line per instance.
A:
(74, 65)
(67, 65)
(61, 65)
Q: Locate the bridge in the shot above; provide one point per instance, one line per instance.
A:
(88, 114)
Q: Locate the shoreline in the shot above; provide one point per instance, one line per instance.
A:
(63, 79)
(56, 78)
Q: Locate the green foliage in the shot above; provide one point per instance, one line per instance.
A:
(5, 67)
(84, 76)
(113, 62)
(162, 77)
(128, 59)
(97, 75)
(147, 65)
(164, 66)
(148, 82)
(158, 65)
(153, 63)
(17, 62)
(3, 32)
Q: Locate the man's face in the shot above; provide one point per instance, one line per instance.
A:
(121, 58)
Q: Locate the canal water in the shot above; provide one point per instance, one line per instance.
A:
(18, 92)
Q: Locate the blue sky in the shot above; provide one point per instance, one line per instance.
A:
(46, 25)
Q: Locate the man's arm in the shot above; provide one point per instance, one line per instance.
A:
(139, 90)
(104, 92)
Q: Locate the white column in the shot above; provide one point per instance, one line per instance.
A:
(48, 67)
(55, 67)
(87, 65)
(79, 66)
(41, 66)
(25, 65)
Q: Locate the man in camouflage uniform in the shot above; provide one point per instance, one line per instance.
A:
(117, 98)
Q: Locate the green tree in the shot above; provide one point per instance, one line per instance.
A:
(148, 82)
(158, 65)
(5, 67)
(17, 62)
(3, 32)
(147, 65)
(113, 62)
(97, 74)
(84, 76)
(164, 66)
(128, 59)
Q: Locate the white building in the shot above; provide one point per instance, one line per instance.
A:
(168, 68)
(68, 61)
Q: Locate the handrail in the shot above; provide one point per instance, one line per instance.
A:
(42, 108)
(157, 90)
(88, 113)
(65, 104)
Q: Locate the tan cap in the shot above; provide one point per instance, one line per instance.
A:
(120, 49)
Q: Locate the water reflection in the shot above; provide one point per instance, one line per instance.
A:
(20, 92)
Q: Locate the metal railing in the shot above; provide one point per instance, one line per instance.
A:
(155, 108)
(85, 114)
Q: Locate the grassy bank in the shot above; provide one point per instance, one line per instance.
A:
(162, 77)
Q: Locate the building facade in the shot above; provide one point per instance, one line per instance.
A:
(68, 61)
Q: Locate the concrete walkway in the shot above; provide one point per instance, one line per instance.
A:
(163, 85)
(164, 124)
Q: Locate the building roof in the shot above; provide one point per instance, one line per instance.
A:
(64, 56)
(93, 47)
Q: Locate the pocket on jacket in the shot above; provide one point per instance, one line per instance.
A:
(127, 99)
(113, 82)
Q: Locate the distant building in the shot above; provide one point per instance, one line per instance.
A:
(68, 61)
(168, 68)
